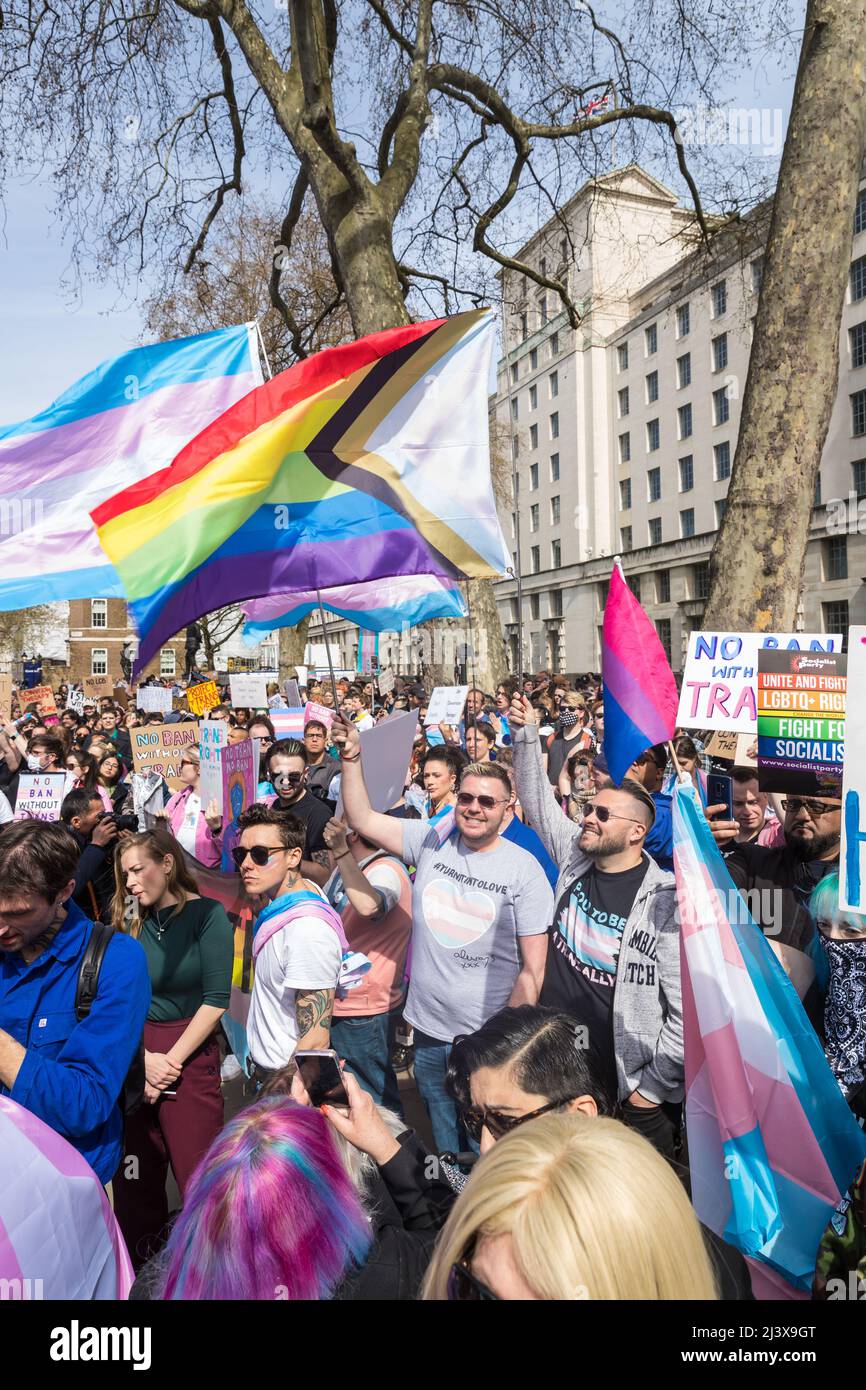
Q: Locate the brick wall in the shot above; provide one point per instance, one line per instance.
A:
(85, 637)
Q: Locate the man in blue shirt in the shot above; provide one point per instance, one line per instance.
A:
(68, 1073)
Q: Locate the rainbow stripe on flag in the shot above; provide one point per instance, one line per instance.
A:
(120, 423)
(640, 693)
(383, 605)
(773, 1146)
(362, 462)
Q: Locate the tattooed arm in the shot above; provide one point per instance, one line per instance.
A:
(313, 1009)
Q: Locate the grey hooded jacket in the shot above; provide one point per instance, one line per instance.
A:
(647, 996)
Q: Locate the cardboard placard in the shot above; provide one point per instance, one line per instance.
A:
(213, 736)
(153, 698)
(202, 697)
(293, 694)
(75, 701)
(5, 696)
(40, 795)
(98, 687)
(852, 858)
(386, 681)
(446, 704)
(40, 695)
(160, 748)
(249, 690)
(721, 673)
(385, 753)
(240, 775)
(121, 695)
(801, 722)
(723, 744)
(320, 712)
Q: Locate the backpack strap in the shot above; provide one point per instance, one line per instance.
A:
(91, 964)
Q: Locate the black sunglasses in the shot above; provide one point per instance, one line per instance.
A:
(475, 1119)
(486, 802)
(603, 814)
(463, 1287)
(293, 778)
(260, 854)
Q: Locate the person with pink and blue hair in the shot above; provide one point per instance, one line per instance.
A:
(270, 1213)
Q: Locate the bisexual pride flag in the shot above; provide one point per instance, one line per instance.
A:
(639, 690)
(773, 1146)
(122, 422)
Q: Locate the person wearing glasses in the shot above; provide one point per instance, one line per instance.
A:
(189, 944)
(262, 729)
(286, 766)
(197, 828)
(322, 766)
(481, 907)
(614, 958)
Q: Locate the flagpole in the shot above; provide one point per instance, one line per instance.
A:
(264, 350)
(513, 571)
(471, 636)
(328, 650)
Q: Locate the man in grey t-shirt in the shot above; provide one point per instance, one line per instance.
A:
(481, 908)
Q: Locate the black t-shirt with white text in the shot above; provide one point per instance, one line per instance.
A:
(314, 813)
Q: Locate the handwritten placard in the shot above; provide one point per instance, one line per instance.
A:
(446, 704)
(42, 696)
(214, 735)
(98, 687)
(202, 697)
(321, 713)
(249, 690)
(154, 699)
(160, 748)
(40, 795)
(720, 679)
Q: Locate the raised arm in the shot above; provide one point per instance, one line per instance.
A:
(534, 792)
(384, 831)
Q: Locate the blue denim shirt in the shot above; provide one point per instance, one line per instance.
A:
(72, 1074)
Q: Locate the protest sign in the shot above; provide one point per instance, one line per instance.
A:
(801, 721)
(722, 744)
(153, 698)
(121, 695)
(202, 697)
(747, 750)
(5, 696)
(42, 696)
(75, 701)
(250, 690)
(240, 774)
(293, 694)
(160, 748)
(98, 688)
(213, 736)
(721, 672)
(288, 723)
(385, 753)
(446, 704)
(386, 681)
(852, 859)
(321, 712)
(40, 795)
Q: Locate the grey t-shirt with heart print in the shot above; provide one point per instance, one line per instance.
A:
(468, 909)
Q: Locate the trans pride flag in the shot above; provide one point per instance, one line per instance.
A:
(118, 424)
(58, 1235)
(363, 462)
(640, 693)
(382, 605)
(773, 1146)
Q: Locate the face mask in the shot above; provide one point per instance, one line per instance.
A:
(34, 762)
(568, 718)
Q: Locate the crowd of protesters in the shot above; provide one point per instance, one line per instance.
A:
(513, 916)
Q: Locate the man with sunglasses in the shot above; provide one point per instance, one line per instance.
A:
(481, 907)
(614, 961)
(286, 768)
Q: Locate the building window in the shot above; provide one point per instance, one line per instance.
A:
(554, 511)
(168, 662)
(533, 397)
(684, 370)
(513, 525)
(836, 618)
(625, 538)
(701, 580)
(652, 388)
(687, 473)
(554, 603)
(684, 419)
(816, 500)
(533, 359)
(534, 559)
(633, 582)
(555, 554)
(622, 357)
(99, 661)
(99, 612)
(663, 628)
(533, 517)
(554, 425)
(515, 407)
(524, 327)
(554, 468)
(721, 406)
(757, 268)
(533, 477)
(515, 449)
(533, 606)
(721, 508)
(858, 470)
(858, 413)
(720, 299)
(663, 586)
(554, 344)
(652, 436)
(623, 402)
(836, 557)
(860, 212)
(720, 352)
(687, 523)
(858, 279)
(655, 530)
(651, 336)
(533, 436)
(654, 484)
(683, 321)
(858, 345)
(513, 373)
(625, 447)
(542, 309)
(553, 385)
(722, 458)
(625, 495)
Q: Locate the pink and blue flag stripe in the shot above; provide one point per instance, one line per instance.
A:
(120, 423)
(773, 1146)
(640, 693)
(380, 605)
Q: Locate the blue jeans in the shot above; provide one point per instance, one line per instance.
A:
(366, 1043)
(431, 1059)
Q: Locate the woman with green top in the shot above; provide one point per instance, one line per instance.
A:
(188, 941)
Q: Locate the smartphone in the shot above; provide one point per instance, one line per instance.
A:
(720, 791)
(322, 1077)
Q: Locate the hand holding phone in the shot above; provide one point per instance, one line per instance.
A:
(322, 1076)
(720, 792)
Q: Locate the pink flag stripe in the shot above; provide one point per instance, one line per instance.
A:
(629, 689)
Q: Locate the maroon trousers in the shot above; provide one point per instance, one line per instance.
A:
(175, 1130)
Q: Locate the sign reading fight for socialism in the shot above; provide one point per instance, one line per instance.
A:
(852, 859)
(214, 736)
(249, 691)
(801, 721)
(160, 748)
(721, 675)
(446, 704)
(202, 697)
(40, 795)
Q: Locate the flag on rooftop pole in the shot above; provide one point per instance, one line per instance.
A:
(640, 693)
(118, 424)
(363, 462)
(773, 1146)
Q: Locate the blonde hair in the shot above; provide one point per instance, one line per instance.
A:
(592, 1210)
(157, 844)
(572, 699)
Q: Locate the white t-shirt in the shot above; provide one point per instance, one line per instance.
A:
(5, 809)
(305, 955)
(187, 828)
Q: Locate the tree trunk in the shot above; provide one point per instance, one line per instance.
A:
(292, 645)
(756, 567)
